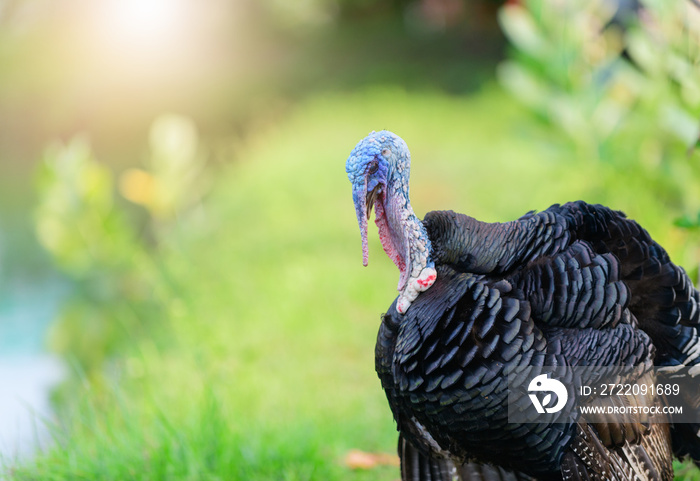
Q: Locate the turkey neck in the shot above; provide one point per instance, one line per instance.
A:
(479, 247)
(403, 236)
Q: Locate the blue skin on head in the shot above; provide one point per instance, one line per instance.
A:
(378, 168)
(369, 167)
(367, 153)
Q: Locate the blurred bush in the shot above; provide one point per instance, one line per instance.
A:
(174, 178)
(620, 85)
(104, 246)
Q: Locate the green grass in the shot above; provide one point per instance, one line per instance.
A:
(261, 364)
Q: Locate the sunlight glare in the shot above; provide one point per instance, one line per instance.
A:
(143, 23)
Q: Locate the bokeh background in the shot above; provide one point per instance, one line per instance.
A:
(181, 289)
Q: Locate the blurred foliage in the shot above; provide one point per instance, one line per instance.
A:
(688, 222)
(229, 65)
(95, 239)
(621, 84)
(423, 15)
(76, 220)
(174, 179)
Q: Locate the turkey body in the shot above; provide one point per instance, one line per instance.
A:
(574, 285)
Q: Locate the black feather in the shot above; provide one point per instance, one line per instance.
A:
(575, 285)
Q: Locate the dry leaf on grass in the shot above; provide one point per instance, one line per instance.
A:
(356, 459)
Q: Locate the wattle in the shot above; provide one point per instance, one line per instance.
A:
(394, 243)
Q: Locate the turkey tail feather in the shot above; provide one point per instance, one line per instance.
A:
(417, 466)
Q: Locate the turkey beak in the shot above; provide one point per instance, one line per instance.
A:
(371, 198)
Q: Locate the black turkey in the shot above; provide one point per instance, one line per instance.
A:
(575, 285)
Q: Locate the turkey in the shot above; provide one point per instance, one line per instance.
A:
(574, 285)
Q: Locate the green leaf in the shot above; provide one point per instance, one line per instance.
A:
(686, 222)
(520, 28)
(680, 123)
